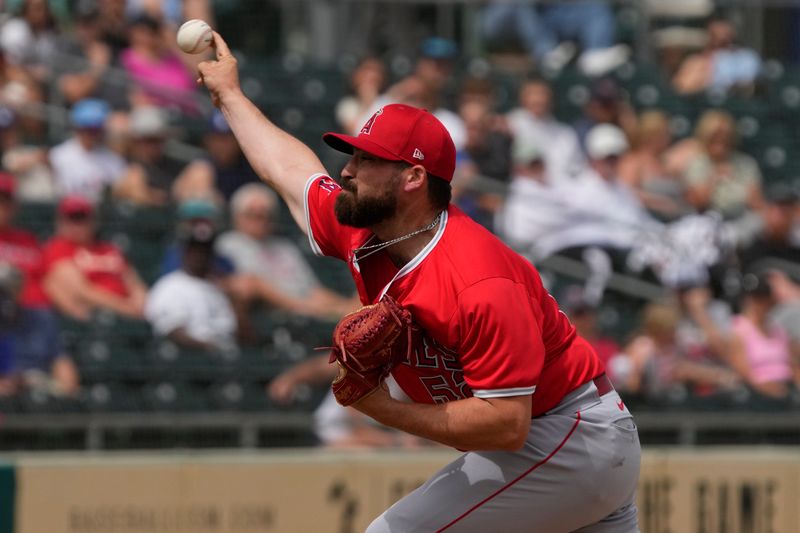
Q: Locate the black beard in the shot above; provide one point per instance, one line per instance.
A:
(365, 212)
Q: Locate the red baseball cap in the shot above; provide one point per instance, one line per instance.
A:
(75, 205)
(400, 132)
(8, 183)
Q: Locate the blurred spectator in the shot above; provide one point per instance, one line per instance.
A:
(577, 303)
(425, 87)
(775, 252)
(592, 210)
(34, 335)
(223, 170)
(159, 74)
(20, 92)
(244, 288)
(607, 104)
(197, 211)
(187, 306)
(83, 63)
(336, 426)
(483, 164)
(534, 208)
(606, 212)
(655, 365)
(367, 83)
(28, 163)
(533, 122)
(435, 65)
(776, 247)
(255, 250)
(173, 12)
(721, 178)
(721, 66)
(488, 144)
(84, 274)
(10, 286)
(30, 40)
(645, 168)
(152, 175)
(113, 24)
(170, 11)
(83, 164)
(543, 29)
(704, 331)
(761, 351)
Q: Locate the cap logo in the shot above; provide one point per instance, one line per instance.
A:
(367, 129)
(418, 154)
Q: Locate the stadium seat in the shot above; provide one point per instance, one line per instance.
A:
(174, 396)
(39, 401)
(239, 396)
(113, 397)
(99, 360)
(166, 359)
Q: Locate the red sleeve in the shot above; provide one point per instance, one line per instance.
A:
(325, 234)
(54, 251)
(501, 349)
(109, 248)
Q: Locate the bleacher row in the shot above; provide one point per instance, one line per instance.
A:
(124, 369)
(301, 98)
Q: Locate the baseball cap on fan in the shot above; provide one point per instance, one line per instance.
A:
(75, 205)
(399, 132)
(605, 140)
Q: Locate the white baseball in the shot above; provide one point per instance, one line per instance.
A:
(194, 36)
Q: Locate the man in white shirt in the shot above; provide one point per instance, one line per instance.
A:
(254, 250)
(186, 306)
(590, 209)
(533, 123)
(83, 165)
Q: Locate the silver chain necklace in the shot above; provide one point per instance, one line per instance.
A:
(375, 248)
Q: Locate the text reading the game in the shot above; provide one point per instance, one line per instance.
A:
(719, 505)
(189, 519)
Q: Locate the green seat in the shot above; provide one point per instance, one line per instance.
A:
(174, 397)
(238, 396)
(114, 397)
(100, 359)
(264, 363)
(38, 401)
(166, 359)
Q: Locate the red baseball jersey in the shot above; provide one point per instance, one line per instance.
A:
(101, 262)
(490, 327)
(20, 248)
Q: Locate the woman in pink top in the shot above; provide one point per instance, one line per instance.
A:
(159, 74)
(763, 352)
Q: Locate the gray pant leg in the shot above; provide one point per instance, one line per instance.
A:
(571, 474)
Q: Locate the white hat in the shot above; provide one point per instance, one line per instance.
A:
(525, 151)
(148, 122)
(605, 140)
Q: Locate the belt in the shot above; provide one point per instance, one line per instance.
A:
(603, 384)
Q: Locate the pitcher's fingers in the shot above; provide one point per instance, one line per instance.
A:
(220, 46)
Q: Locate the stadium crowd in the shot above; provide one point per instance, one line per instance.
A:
(689, 217)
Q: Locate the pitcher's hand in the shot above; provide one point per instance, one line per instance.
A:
(221, 77)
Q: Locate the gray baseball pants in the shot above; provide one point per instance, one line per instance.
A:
(577, 472)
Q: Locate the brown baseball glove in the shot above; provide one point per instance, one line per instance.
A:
(368, 343)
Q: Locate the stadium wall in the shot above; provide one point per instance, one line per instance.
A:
(707, 491)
